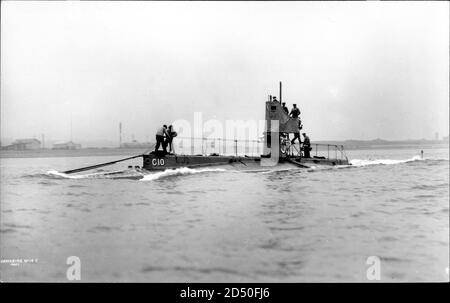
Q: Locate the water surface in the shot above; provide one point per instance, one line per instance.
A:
(219, 225)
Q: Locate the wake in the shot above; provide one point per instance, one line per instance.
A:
(121, 174)
(361, 162)
(132, 174)
(183, 171)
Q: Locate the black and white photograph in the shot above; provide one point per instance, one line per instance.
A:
(224, 142)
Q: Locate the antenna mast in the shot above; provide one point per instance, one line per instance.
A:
(280, 92)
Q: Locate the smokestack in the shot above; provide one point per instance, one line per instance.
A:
(120, 134)
(71, 128)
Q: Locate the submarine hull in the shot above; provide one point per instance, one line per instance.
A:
(161, 162)
(155, 162)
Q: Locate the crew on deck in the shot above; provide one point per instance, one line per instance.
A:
(285, 109)
(297, 133)
(295, 111)
(296, 136)
(306, 146)
(160, 138)
(172, 134)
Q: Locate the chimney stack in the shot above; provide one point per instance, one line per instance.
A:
(120, 134)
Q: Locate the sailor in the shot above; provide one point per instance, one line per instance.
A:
(296, 136)
(274, 99)
(160, 138)
(169, 139)
(286, 110)
(306, 146)
(295, 112)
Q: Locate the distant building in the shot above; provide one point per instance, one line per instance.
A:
(436, 136)
(66, 145)
(24, 144)
(445, 138)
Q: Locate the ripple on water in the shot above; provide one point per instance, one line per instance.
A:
(12, 228)
(184, 269)
(47, 183)
(383, 211)
(424, 196)
(77, 186)
(295, 263)
(270, 244)
(196, 191)
(430, 187)
(175, 192)
(79, 194)
(13, 225)
(388, 239)
(286, 228)
(103, 228)
(358, 226)
(143, 203)
(7, 230)
(395, 275)
(395, 259)
(25, 209)
(358, 214)
(136, 204)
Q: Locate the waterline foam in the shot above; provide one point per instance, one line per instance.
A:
(178, 172)
(360, 162)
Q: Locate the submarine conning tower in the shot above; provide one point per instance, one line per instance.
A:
(277, 142)
(286, 124)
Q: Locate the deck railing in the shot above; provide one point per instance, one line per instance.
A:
(327, 151)
(207, 146)
(240, 147)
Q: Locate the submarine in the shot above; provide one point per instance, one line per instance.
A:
(277, 150)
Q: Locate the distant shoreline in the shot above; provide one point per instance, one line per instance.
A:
(88, 152)
(83, 152)
(368, 146)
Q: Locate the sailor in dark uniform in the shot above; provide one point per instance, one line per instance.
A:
(169, 139)
(297, 133)
(296, 136)
(295, 111)
(285, 109)
(160, 138)
(306, 146)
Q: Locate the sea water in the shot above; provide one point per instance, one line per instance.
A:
(219, 225)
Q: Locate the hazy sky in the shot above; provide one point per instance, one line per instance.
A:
(356, 70)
